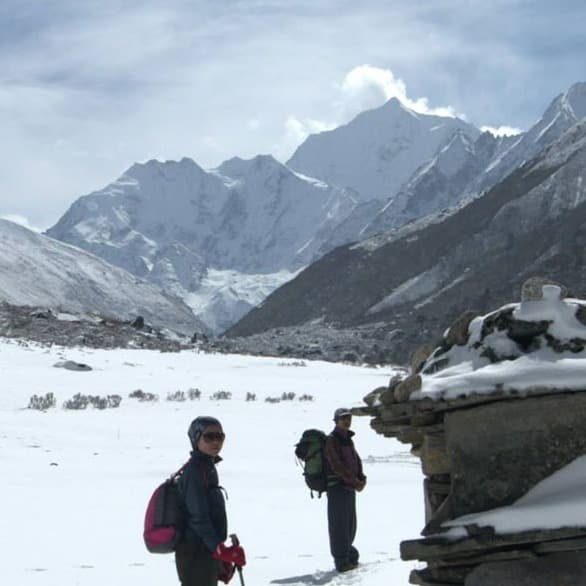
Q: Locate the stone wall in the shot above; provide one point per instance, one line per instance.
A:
(482, 449)
(478, 453)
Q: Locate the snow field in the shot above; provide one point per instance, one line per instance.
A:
(76, 483)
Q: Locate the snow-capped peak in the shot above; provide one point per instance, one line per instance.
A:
(237, 168)
(378, 151)
(575, 100)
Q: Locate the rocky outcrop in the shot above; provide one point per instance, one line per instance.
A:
(92, 331)
(487, 433)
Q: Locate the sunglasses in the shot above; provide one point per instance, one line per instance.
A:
(213, 436)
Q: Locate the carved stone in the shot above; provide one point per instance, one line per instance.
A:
(560, 569)
(458, 333)
(420, 356)
(499, 451)
(434, 457)
(406, 388)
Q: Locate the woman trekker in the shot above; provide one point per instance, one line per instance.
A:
(201, 557)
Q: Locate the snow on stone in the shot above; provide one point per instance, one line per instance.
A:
(493, 360)
(556, 502)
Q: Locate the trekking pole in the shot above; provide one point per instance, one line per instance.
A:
(236, 541)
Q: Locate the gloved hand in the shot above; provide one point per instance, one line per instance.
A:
(233, 554)
(360, 485)
(226, 571)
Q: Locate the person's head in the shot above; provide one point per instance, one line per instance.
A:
(206, 435)
(343, 418)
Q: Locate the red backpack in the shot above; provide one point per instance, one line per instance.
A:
(164, 518)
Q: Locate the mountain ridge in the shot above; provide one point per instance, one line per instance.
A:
(36, 270)
(179, 226)
(428, 276)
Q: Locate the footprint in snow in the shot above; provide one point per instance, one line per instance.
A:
(36, 569)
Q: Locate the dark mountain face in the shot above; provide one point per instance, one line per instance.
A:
(420, 278)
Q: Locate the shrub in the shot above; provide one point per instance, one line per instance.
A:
(142, 396)
(221, 396)
(79, 401)
(287, 396)
(194, 394)
(42, 403)
(176, 396)
(306, 397)
(272, 400)
(114, 401)
(251, 396)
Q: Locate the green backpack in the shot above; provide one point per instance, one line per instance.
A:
(310, 451)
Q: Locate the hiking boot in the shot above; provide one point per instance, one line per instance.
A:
(347, 567)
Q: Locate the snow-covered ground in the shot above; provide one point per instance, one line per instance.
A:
(75, 484)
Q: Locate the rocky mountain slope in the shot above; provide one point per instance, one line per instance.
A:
(171, 222)
(224, 239)
(417, 279)
(38, 271)
(379, 150)
(461, 169)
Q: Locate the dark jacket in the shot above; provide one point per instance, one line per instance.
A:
(343, 459)
(202, 498)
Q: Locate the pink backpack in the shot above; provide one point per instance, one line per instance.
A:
(164, 518)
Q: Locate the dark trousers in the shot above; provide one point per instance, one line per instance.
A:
(342, 525)
(195, 565)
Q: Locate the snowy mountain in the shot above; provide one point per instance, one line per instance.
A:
(564, 111)
(38, 271)
(462, 169)
(444, 181)
(379, 150)
(426, 273)
(225, 238)
(171, 222)
(440, 183)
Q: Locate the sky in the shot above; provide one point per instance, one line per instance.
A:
(89, 88)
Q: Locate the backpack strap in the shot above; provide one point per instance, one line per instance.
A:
(179, 472)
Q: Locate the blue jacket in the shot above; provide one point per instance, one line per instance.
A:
(202, 498)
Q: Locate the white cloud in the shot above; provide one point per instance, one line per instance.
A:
(501, 130)
(88, 91)
(366, 87)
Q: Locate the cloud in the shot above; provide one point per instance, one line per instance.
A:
(366, 87)
(90, 87)
(501, 130)
(363, 88)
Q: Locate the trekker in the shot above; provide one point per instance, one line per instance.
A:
(200, 555)
(346, 477)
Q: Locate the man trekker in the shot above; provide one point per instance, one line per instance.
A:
(345, 478)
